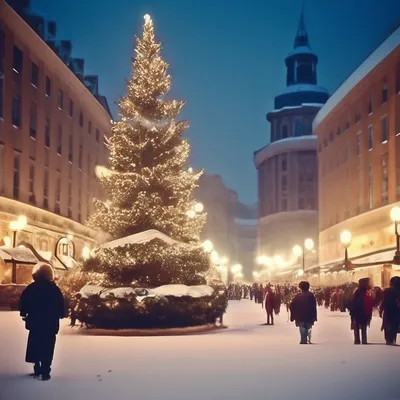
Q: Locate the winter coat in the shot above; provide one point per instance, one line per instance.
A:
(390, 307)
(270, 300)
(42, 306)
(303, 308)
(361, 307)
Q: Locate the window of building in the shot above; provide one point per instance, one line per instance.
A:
(32, 199)
(1, 94)
(89, 164)
(284, 162)
(18, 57)
(284, 183)
(71, 109)
(385, 179)
(33, 120)
(46, 189)
(79, 204)
(60, 99)
(370, 187)
(348, 152)
(47, 132)
(70, 200)
(298, 128)
(384, 129)
(358, 144)
(71, 149)
(347, 126)
(58, 196)
(357, 117)
(80, 156)
(370, 106)
(2, 52)
(16, 177)
(16, 111)
(48, 87)
(338, 132)
(35, 75)
(319, 148)
(370, 137)
(384, 92)
(331, 136)
(284, 204)
(325, 142)
(284, 132)
(81, 119)
(59, 140)
(89, 128)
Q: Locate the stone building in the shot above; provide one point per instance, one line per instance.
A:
(358, 134)
(53, 127)
(287, 167)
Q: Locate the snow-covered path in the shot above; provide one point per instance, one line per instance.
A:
(248, 361)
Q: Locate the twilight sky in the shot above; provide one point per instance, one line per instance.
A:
(227, 60)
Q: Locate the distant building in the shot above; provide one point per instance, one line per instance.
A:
(53, 126)
(287, 167)
(358, 134)
(229, 224)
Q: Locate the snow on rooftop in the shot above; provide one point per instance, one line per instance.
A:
(303, 105)
(386, 48)
(301, 50)
(304, 87)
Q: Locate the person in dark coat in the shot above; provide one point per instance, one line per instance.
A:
(361, 308)
(303, 310)
(390, 311)
(42, 307)
(270, 305)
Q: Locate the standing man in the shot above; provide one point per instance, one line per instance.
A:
(270, 305)
(390, 311)
(303, 310)
(41, 307)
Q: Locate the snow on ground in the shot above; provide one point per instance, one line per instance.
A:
(247, 361)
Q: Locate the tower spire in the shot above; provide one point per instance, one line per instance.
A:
(301, 38)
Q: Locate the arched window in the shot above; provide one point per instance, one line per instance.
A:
(284, 131)
(298, 128)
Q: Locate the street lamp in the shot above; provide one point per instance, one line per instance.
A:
(298, 250)
(17, 225)
(345, 239)
(199, 207)
(208, 246)
(395, 217)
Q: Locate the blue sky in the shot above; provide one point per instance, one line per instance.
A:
(227, 60)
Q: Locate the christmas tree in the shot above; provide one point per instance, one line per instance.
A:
(148, 184)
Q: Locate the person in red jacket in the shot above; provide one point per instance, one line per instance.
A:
(361, 308)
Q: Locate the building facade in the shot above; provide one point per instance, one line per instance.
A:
(287, 167)
(358, 134)
(53, 127)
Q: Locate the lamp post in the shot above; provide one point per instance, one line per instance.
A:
(345, 239)
(15, 226)
(395, 217)
(298, 251)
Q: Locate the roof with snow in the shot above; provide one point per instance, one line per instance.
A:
(384, 50)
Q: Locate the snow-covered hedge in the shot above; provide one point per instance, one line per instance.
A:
(10, 294)
(162, 307)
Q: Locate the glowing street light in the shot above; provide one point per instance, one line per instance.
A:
(199, 207)
(191, 213)
(299, 251)
(345, 239)
(215, 257)
(309, 244)
(224, 260)
(208, 246)
(85, 253)
(236, 269)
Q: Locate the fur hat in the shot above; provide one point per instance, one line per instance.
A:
(42, 272)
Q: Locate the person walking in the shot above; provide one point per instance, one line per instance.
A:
(390, 311)
(270, 298)
(361, 308)
(41, 307)
(303, 310)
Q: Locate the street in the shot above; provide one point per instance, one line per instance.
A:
(246, 361)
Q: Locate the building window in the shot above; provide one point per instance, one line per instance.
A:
(58, 196)
(89, 166)
(370, 187)
(71, 109)
(70, 200)
(59, 140)
(284, 204)
(47, 133)
(35, 75)
(358, 144)
(60, 99)
(284, 132)
(348, 152)
(284, 162)
(48, 87)
(16, 111)
(79, 204)
(384, 92)
(32, 199)
(347, 126)
(284, 183)
(16, 177)
(384, 129)
(17, 60)
(331, 136)
(2, 47)
(385, 179)
(357, 117)
(89, 128)
(1, 94)
(46, 189)
(338, 132)
(33, 120)
(80, 156)
(71, 149)
(370, 137)
(81, 119)
(298, 128)
(370, 106)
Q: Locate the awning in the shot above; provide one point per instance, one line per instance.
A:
(18, 254)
